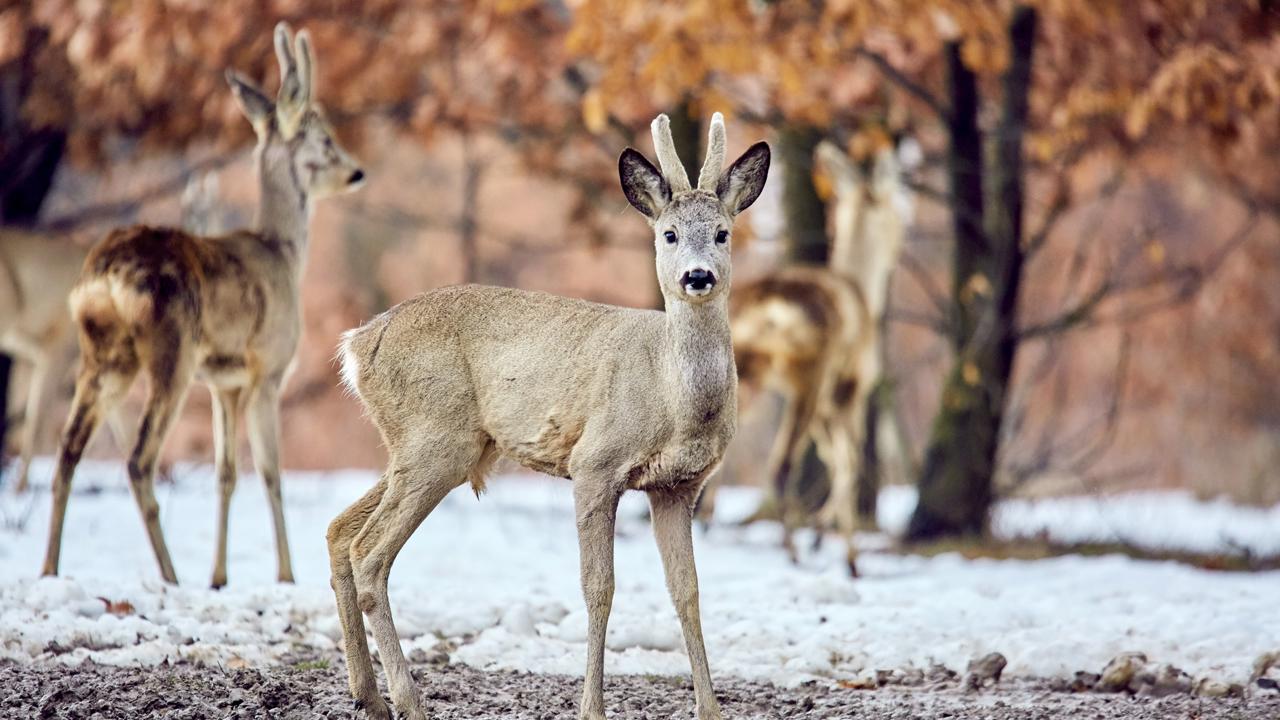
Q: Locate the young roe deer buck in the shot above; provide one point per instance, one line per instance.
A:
(611, 397)
(225, 310)
(813, 334)
(37, 271)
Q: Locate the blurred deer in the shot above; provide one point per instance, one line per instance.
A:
(611, 397)
(812, 334)
(36, 274)
(225, 310)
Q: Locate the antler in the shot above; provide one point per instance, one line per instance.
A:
(668, 160)
(711, 167)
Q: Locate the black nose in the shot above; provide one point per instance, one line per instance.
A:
(698, 279)
(356, 177)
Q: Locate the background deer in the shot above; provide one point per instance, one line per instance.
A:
(224, 310)
(611, 397)
(813, 334)
(36, 274)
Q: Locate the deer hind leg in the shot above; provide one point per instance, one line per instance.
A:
(264, 440)
(99, 388)
(226, 409)
(789, 449)
(672, 521)
(342, 531)
(169, 371)
(416, 483)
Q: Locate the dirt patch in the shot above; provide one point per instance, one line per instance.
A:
(317, 688)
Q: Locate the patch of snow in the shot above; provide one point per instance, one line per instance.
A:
(499, 577)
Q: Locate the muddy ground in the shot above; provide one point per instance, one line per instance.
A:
(317, 689)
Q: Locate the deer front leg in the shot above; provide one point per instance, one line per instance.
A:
(264, 441)
(672, 528)
(839, 510)
(226, 408)
(596, 508)
(38, 395)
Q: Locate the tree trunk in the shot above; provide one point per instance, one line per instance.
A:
(956, 486)
(869, 471)
(468, 217)
(965, 181)
(805, 213)
(686, 131)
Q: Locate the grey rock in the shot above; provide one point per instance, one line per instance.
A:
(984, 670)
(1118, 673)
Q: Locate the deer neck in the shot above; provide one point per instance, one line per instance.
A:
(868, 236)
(698, 360)
(284, 210)
(848, 247)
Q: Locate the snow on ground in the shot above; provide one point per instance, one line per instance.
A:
(500, 576)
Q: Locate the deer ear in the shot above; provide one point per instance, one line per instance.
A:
(741, 184)
(644, 186)
(255, 105)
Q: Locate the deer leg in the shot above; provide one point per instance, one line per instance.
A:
(226, 407)
(841, 507)
(792, 435)
(342, 531)
(37, 397)
(264, 440)
(99, 389)
(169, 375)
(412, 492)
(672, 528)
(596, 507)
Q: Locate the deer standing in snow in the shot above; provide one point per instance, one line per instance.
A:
(611, 397)
(813, 334)
(36, 274)
(226, 310)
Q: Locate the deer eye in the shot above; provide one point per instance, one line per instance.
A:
(670, 235)
(722, 237)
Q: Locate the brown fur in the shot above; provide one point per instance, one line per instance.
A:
(812, 335)
(613, 398)
(36, 273)
(224, 310)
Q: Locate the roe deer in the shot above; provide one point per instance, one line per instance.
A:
(37, 272)
(611, 397)
(813, 334)
(225, 310)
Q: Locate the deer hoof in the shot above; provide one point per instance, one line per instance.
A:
(376, 708)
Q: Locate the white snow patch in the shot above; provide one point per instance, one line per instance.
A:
(500, 577)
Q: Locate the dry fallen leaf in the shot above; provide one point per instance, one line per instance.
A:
(119, 608)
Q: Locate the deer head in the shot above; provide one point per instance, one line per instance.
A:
(293, 131)
(692, 226)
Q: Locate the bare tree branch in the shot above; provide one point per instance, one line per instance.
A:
(1183, 281)
(115, 209)
(897, 77)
